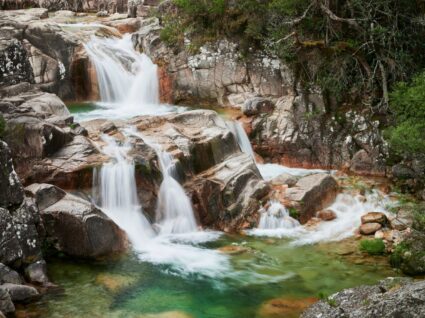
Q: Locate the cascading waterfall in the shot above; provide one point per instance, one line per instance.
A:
(174, 211)
(126, 78)
(174, 214)
(276, 216)
(117, 194)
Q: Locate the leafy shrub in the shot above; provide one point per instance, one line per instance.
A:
(373, 247)
(408, 105)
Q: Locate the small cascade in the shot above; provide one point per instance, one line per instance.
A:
(174, 210)
(241, 137)
(116, 193)
(276, 217)
(124, 75)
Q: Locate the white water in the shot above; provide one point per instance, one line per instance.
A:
(128, 80)
(348, 210)
(241, 137)
(276, 217)
(117, 193)
(177, 242)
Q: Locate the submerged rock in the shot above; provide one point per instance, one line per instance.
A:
(284, 307)
(115, 282)
(392, 297)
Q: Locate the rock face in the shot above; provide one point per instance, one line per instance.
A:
(224, 184)
(289, 125)
(393, 297)
(19, 221)
(311, 194)
(74, 226)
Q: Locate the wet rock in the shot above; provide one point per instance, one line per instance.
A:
(20, 293)
(257, 105)
(36, 273)
(285, 178)
(8, 275)
(102, 14)
(108, 127)
(326, 215)
(114, 282)
(233, 249)
(392, 297)
(6, 304)
(311, 194)
(76, 227)
(370, 228)
(45, 194)
(284, 307)
(374, 217)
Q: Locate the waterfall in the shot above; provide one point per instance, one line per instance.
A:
(124, 75)
(174, 214)
(276, 217)
(241, 137)
(174, 211)
(117, 194)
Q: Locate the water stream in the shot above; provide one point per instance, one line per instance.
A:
(176, 269)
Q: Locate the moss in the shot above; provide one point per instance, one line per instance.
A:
(372, 247)
(396, 258)
(293, 212)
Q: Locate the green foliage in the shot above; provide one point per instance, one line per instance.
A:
(372, 247)
(293, 212)
(354, 50)
(396, 258)
(408, 105)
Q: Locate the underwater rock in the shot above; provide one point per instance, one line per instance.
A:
(284, 307)
(114, 282)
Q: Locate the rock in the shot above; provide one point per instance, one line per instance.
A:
(402, 172)
(108, 127)
(370, 228)
(311, 194)
(409, 255)
(48, 104)
(114, 282)
(36, 273)
(257, 105)
(401, 221)
(392, 297)
(45, 194)
(388, 235)
(8, 275)
(102, 14)
(284, 307)
(74, 226)
(285, 178)
(6, 304)
(374, 217)
(20, 293)
(11, 190)
(326, 215)
(233, 249)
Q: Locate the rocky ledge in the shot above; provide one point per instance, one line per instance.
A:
(392, 297)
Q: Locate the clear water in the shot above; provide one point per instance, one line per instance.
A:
(265, 269)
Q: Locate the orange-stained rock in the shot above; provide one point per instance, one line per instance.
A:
(285, 307)
(374, 217)
(370, 228)
(326, 215)
(165, 86)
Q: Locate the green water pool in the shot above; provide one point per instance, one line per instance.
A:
(261, 269)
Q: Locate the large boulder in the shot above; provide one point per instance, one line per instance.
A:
(76, 227)
(19, 221)
(409, 255)
(312, 194)
(20, 293)
(6, 304)
(392, 297)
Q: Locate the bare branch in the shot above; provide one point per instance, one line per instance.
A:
(334, 17)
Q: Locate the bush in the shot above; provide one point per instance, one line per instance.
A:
(373, 247)
(408, 104)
